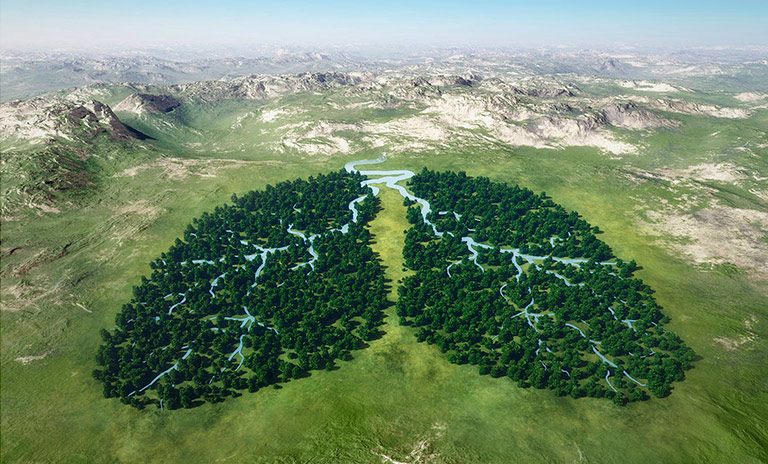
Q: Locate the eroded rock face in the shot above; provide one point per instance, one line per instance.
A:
(101, 119)
(545, 92)
(685, 107)
(467, 80)
(42, 119)
(631, 116)
(142, 102)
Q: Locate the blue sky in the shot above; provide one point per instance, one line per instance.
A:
(106, 23)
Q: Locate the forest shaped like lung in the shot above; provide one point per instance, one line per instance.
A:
(509, 281)
(266, 289)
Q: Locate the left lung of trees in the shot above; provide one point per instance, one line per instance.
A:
(303, 317)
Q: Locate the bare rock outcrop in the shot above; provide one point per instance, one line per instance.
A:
(42, 119)
(631, 116)
(141, 103)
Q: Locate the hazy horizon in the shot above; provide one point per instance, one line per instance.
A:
(47, 25)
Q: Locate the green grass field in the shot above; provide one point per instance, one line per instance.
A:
(397, 398)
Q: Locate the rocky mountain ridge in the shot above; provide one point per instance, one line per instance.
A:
(46, 120)
(141, 102)
(432, 108)
(27, 74)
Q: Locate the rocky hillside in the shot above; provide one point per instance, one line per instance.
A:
(144, 103)
(427, 111)
(47, 119)
(25, 75)
(341, 113)
(47, 146)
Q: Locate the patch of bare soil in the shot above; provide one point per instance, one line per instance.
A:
(717, 234)
(40, 257)
(742, 340)
(128, 220)
(421, 453)
(686, 107)
(723, 172)
(28, 359)
(181, 169)
(749, 97)
(720, 172)
(22, 295)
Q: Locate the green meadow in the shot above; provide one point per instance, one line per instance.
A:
(65, 276)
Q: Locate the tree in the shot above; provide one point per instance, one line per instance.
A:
(472, 308)
(216, 310)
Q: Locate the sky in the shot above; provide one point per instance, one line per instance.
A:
(83, 24)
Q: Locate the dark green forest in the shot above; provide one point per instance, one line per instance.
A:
(518, 286)
(260, 291)
(282, 282)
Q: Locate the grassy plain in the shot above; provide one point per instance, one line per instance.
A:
(396, 398)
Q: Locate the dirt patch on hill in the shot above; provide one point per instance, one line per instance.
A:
(34, 260)
(128, 220)
(749, 97)
(422, 451)
(21, 296)
(716, 235)
(733, 344)
(647, 86)
(180, 168)
(742, 340)
(24, 360)
(719, 172)
(141, 208)
(686, 107)
(723, 172)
